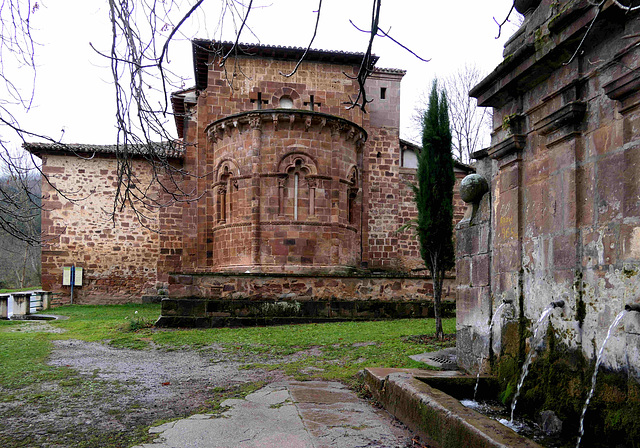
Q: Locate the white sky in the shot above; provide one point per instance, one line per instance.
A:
(74, 91)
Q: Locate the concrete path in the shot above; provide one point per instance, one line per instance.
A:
(311, 414)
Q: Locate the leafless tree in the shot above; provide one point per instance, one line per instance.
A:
(470, 124)
(141, 43)
(141, 37)
(19, 224)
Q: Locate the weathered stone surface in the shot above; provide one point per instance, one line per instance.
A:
(262, 311)
(550, 423)
(565, 213)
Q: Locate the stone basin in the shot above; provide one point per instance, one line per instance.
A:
(440, 419)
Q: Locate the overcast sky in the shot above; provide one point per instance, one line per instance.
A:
(74, 91)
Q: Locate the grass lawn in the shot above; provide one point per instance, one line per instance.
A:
(329, 351)
(29, 288)
(344, 348)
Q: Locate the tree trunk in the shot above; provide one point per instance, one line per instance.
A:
(436, 276)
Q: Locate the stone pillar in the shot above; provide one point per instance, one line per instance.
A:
(4, 306)
(312, 195)
(335, 192)
(473, 267)
(46, 300)
(256, 144)
(21, 304)
(281, 184)
(507, 235)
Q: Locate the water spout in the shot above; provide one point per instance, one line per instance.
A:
(632, 307)
(558, 304)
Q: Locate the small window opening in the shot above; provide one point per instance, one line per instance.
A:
(383, 93)
(286, 102)
(409, 158)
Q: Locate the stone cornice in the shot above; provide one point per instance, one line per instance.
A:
(509, 145)
(288, 223)
(568, 115)
(625, 85)
(256, 119)
(547, 43)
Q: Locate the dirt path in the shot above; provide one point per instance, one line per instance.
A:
(116, 392)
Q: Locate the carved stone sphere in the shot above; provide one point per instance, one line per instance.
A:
(473, 187)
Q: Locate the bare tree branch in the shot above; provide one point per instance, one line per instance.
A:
(315, 31)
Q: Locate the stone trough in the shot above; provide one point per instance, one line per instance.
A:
(418, 399)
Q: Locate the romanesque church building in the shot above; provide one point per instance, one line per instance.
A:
(285, 182)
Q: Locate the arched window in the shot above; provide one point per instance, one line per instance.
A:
(286, 102)
(224, 207)
(352, 194)
(297, 175)
(297, 181)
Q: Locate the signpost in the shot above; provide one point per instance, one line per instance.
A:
(72, 276)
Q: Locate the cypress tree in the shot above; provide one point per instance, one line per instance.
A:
(434, 196)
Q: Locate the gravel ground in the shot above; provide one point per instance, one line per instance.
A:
(117, 392)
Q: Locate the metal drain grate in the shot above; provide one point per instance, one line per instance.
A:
(443, 359)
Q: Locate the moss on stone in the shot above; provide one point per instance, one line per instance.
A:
(560, 379)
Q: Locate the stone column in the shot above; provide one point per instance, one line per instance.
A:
(256, 144)
(312, 195)
(335, 192)
(281, 183)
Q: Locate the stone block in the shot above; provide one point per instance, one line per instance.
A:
(480, 270)
(564, 251)
(464, 241)
(463, 270)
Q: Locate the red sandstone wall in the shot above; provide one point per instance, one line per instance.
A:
(119, 259)
(206, 243)
(322, 234)
(383, 190)
(326, 82)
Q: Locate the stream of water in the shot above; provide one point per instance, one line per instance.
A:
(599, 360)
(532, 351)
(481, 359)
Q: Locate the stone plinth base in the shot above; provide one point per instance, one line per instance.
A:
(4, 306)
(215, 300)
(209, 313)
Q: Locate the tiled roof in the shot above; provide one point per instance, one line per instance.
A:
(162, 149)
(179, 110)
(390, 70)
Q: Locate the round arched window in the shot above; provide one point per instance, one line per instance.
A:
(286, 102)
